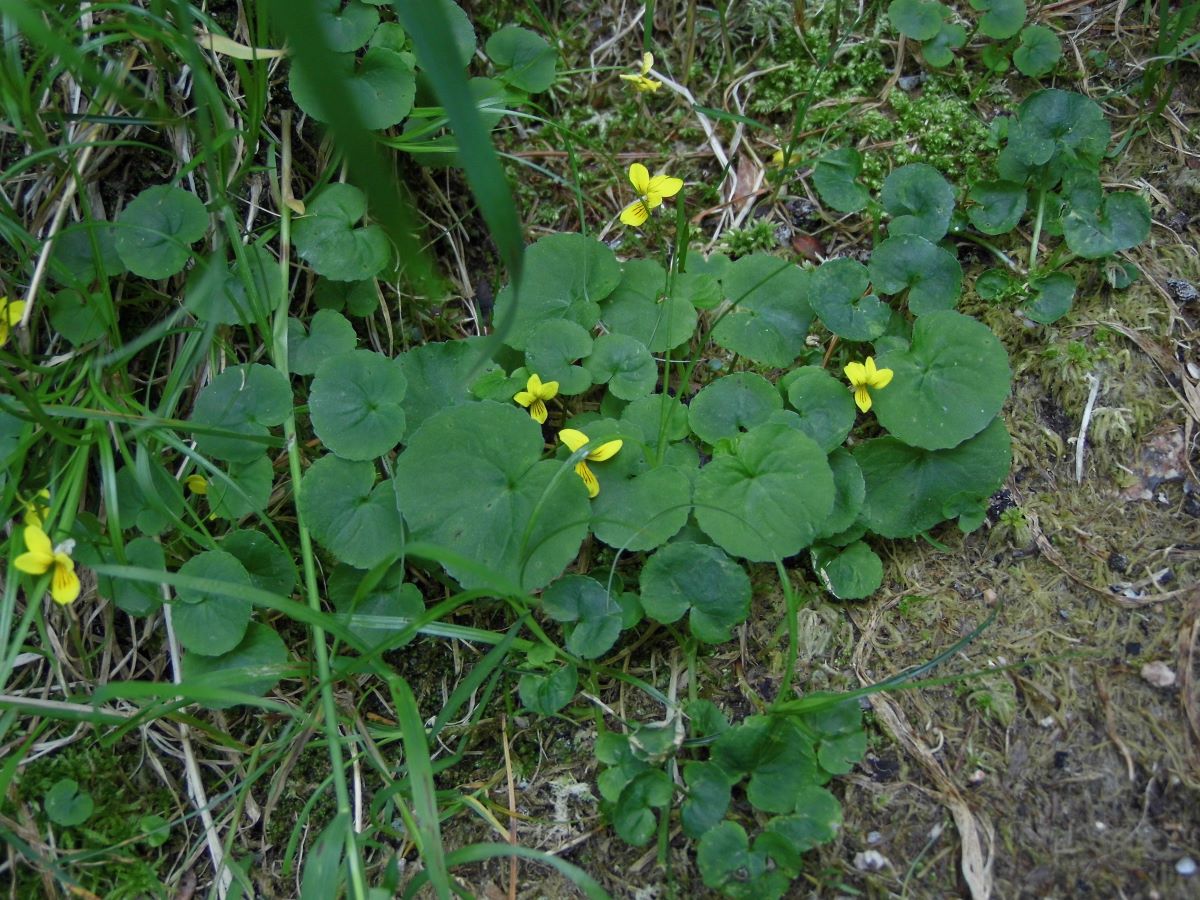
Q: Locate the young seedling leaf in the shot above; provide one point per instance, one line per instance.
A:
(1039, 52)
(1001, 19)
(916, 19)
(1050, 297)
(330, 334)
(591, 616)
(848, 573)
(835, 178)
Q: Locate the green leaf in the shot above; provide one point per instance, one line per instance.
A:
(728, 865)
(210, 622)
(824, 405)
(708, 795)
(995, 56)
(769, 320)
(586, 605)
(1058, 128)
(817, 819)
(245, 489)
(947, 386)
(157, 228)
(640, 308)
(907, 488)
(138, 598)
(381, 86)
(998, 207)
(683, 577)
(994, 284)
(76, 262)
(217, 293)
(524, 59)
(732, 404)
(547, 694)
(700, 290)
(639, 507)
(437, 376)
(252, 667)
(461, 30)
(633, 818)
(66, 805)
(155, 830)
(245, 400)
(323, 865)
(566, 277)
(766, 499)
(1122, 222)
(1001, 19)
(331, 334)
(382, 612)
(916, 19)
(1050, 297)
(153, 502)
(777, 756)
(835, 178)
(346, 28)
(840, 299)
(352, 517)
(77, 318)
(358, 298)
(919, 200)
(355, 404)
(849, 493)
(655, 413)
(1038, 53)
(552, 350)
(269, 566)
(472, 479)
(931, 275)
(938, 50)
(848, 573)
(326, 237)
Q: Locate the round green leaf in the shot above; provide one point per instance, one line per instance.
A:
(708, 795)
(931, 275)
(138, 598)
(624, 364)
(768, 321)
(438, 376)
(151, 499)
(244, 489)
(849, 492)
(1122, 221)
(381, 86)
(217, 293)
(1039, 52)
(919, 200)
(155, 830)
(1001, 19)
(270, 567)
(824, 405)
(253, 667)
(731, 404)
(908, 488)
(766, 499)
(1050, 297)
(916, 19)
(840, 299)
(84, 253)
(330, 334)
(594, 616)
(700, 290)
(472, 480)
(351, 516)
(381, 613)
(727, 864)
(346, 28)
(633, 818)
(640, 308)
(565, 276)
(816, 821)
(211, 622)
(995, 56)
(326, 237)
(66, 805)
(355, 404)
(947, 386)
(998, 207)
(994, 284)
(849, 573)
(639, 508)
(835, 178)
(461, 30)
(242, 401)
(552, 350)
(683, 577)
(524, 59)
(77, 318)
(655, 413)
(1060, 128)
(547, 694)
(157, 228)
(776, 754)
(938, 50)
(358, 298)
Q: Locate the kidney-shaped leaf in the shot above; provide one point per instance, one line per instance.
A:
(684, 576)
(839, 297)
(639, 507)
(732, 404)
(1038, 53)
(157, 228)
(769, 319)
(352, 517)
(330, 334)
(594, 616)
(640, 307)
(253, 667)
(849, 573)
(552, 350)
(920, 201)
(346, 28)
(381, 86)
(437, 376)
(355, 404)
(327, 239)
(824, 405)
(245, 400)
(524, 59)
(835, 177)
(211, 621)
(1121, 222)
(1001, 19)
(998, 207)
(932, 275)
(916, 19)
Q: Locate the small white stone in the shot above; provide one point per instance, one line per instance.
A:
(870, 861)
(1047, 722)
(1100, 826)
(977, 777)
(1186, 867)
(874, 837)
(1159, 674)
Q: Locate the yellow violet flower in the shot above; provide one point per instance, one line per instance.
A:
(642, 82)
(36, 509)
(651, 192)
(864, 375)
(10, 315)
(40, 557)
(197, 484)
(535, 395)
(576, 439)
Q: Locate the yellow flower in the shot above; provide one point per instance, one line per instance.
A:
(40, 558)
(36, 510)
(651, 192)
(863, 376)
(535, 395)
(10, 315)
(197, 484)
(577, 439)
(642, 82)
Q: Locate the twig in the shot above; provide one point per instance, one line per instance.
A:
(513, 861)
(1081, 441)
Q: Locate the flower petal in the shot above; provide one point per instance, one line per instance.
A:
(534, 384)
(635, 214)
(524, 397)
(647, 62)
(13, 311)
(549, 390)
(197, 484)
(38, 542)
(589, 480)
(538, 412)
(33, 563)
(883, 377)
(639, 177)
(862, 398)
(64, 583)
(856, 373)
(663, 186)
(605, 451)
(572, 438)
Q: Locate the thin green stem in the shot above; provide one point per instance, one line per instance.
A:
(1037, 230)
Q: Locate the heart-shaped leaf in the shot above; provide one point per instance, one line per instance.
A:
(938, 51)
(66, 805)
(947, 386)
(998, 207)
(919, 200)
(633, 816)
(156, 230)
(849, 573)
(357, 298)
(246, 293)
(346, 28)
(327, 239)
(552, 350)
(330, 334)
(839, 297)
(523, 58)
(727, 864)
(639, 507)
(1039, 52)
(1122, 221)
(270, 567)
(656, 413)
(211, 622)
(85, 252)
(355, 404)
(1001, 19)
(707, 800)
(835, 177)
(138, 598)
(547, 694)
(776, 755)
(593, 614)
(849, 492)
(683, 577)
(78, 318)
(732, 404)
(352, 517)
(1050, 297)
(381, 86)
(378, 615)
(816, 821)
(768, 321)
(437, 376)
(253, 667)
(244, 489)
(916, 19)
(1059, 128)
(640, 307)
(243, 401)
(823, 404)
(931, 275)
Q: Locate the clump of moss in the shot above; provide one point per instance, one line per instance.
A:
(758, 237)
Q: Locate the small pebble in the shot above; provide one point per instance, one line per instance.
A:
(1118, 562)
(1182, 291)
(1047, 722)
(1186, 867)
(977, 777)
(912, 82)
(1100, 826)
(1159, 674)
(874, 837)
(872, 861)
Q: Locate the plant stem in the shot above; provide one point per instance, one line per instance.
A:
(1037, 230)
